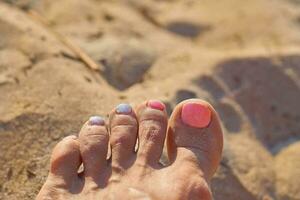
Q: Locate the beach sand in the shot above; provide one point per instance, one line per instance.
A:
(241, 56)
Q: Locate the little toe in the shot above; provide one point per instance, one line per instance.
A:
(93, 139)
(63, 176)
(65, 160)
(153, 121)
(195, 136)
(123, 135)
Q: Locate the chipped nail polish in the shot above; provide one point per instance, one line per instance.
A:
(96, 121)
(155, 104)
(123, 108)
(196, 115)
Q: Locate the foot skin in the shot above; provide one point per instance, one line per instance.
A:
(194, 142)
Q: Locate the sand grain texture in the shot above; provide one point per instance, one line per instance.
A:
(241, 56)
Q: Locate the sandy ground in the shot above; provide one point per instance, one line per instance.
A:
(242, 56)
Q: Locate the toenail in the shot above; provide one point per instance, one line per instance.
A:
(123, 108)
(196, 115)
(155, 104)
(96, 121)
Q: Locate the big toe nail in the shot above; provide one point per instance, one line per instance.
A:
(196, 115)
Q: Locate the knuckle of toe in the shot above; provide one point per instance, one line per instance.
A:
(123, 120)
(153, 132)
(120, 139)
(93, 138)
(157, 117)
(124, 128)
(100, 132)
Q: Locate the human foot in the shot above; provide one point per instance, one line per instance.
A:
(194, 142)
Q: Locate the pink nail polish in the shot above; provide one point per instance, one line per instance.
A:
(155, 104)
(196, 115)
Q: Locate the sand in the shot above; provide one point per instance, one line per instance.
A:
(242, 56)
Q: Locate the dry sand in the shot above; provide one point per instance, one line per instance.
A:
(242, 56)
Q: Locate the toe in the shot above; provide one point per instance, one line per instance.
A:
(63, 176)
(93, 139)
(65, 159)
(152, 119)
(123, 129)
(195, 136)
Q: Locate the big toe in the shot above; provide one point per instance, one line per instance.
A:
(195, 136)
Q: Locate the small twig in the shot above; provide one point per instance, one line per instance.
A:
(78, 51)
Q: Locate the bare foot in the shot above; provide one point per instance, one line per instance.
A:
(194, 141)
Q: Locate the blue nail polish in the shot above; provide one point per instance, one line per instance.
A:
(96, 121)
(123, 109)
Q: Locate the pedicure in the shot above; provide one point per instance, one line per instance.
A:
(96, 121)
(196, 115)
(155, 104)
(123, 108)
